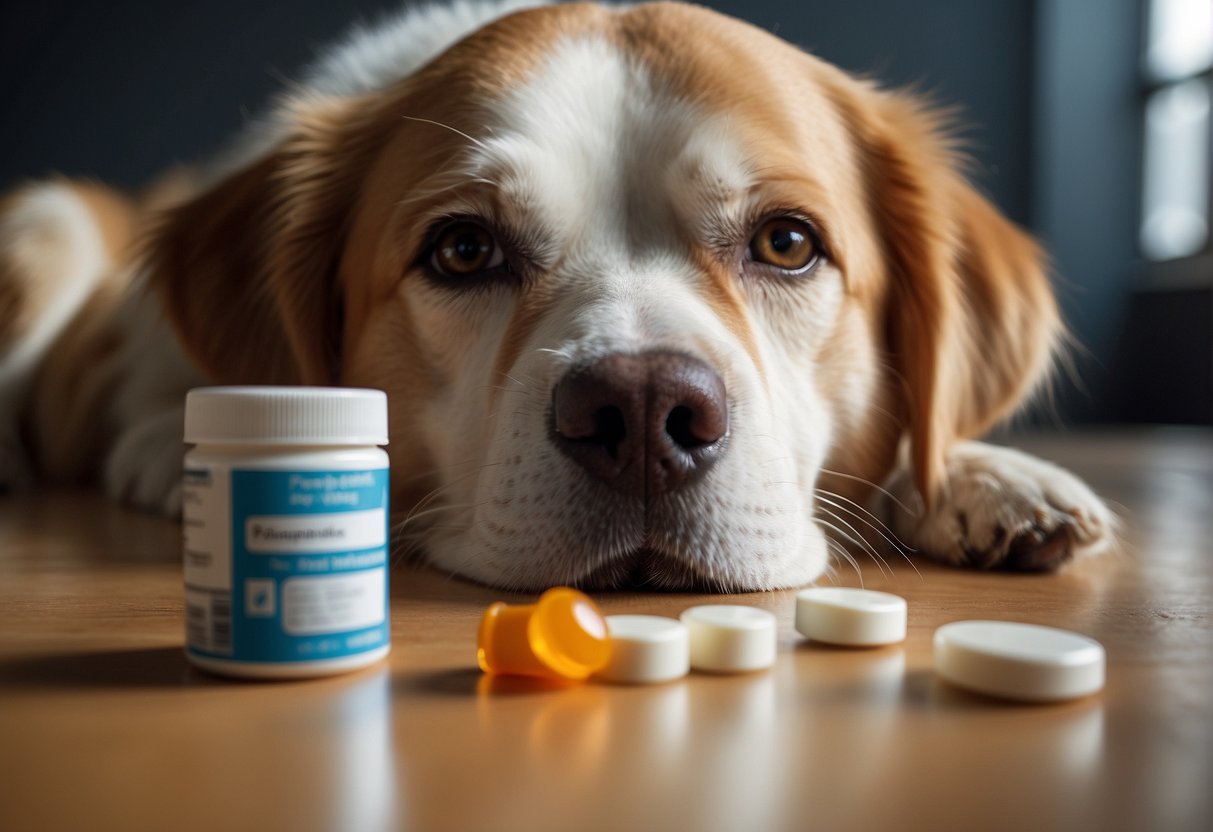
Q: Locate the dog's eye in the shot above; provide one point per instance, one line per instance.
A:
(465, 248)
(784, 243)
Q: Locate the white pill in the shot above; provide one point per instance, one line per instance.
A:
(1019, 661)
(730, 639)
(646, 649)
(850, 617)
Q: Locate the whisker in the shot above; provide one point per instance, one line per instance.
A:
(839, 532)
(477, 142)
(433, 495)
(428, 193)
(432, 472)
(894, 541)
(840, 549)
(871, 484)
(859, 541)
(412, 518)
(846, 556)
(428, 499)
(862, 514)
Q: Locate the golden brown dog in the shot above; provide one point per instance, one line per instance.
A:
(655, 296)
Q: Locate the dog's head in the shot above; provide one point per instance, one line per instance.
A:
(645, 288)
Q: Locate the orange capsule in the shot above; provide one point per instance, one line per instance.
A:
(563, 635)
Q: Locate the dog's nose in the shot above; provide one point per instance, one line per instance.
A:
(643, 424)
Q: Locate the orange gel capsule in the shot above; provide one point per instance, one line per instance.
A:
(563, 635)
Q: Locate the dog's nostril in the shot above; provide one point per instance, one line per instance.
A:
(610, 429)
(678, 426)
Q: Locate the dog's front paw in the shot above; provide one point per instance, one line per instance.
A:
(144, 466)
(999, 508)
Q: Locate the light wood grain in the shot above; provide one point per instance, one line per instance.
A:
(104, 726)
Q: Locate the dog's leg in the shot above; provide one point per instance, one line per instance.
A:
(143, 467)
(1000, 508)
(143, 463)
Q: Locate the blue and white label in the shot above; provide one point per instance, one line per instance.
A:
(286, 566)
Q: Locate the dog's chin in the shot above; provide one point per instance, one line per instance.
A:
(648, 570)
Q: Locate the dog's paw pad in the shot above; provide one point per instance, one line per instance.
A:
(1043, 545)
(1040, 551)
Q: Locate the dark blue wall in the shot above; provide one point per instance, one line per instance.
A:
(121, 89)
(976, 54)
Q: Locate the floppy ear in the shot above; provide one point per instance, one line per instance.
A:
(971, 319)
(247, 269)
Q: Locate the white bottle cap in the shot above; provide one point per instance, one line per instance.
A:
(1019, 661)
(730, 639)
(850, 617)
(646, 649)
(286, 416)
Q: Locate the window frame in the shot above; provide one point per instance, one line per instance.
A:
(1193, 270)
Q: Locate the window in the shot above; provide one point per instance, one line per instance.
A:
(1178, 144)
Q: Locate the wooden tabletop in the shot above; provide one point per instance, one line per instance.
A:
(104, 726)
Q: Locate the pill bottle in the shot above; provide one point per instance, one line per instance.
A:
(285, 504)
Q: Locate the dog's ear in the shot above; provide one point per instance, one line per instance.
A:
(971, 318)
(247, 269)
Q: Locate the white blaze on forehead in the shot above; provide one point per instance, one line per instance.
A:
(596, 151)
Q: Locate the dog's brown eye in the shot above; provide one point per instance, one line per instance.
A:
(784, 243)
(465, 248)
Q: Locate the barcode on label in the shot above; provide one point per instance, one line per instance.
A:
(195, 625)
(221, 623)
(208, 620)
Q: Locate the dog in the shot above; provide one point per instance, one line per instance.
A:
(658, 300)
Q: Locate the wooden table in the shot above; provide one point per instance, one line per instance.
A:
(104, 726)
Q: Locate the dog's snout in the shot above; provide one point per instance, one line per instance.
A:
(643, 424)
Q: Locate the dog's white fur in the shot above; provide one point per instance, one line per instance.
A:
(604, 165)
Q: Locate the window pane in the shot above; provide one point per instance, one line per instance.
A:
(1175, 215)
(1180, 38)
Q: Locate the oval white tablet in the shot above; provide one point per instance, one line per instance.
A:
(730, 639)
(1019, 661)
(850, 617)
(646, 649)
